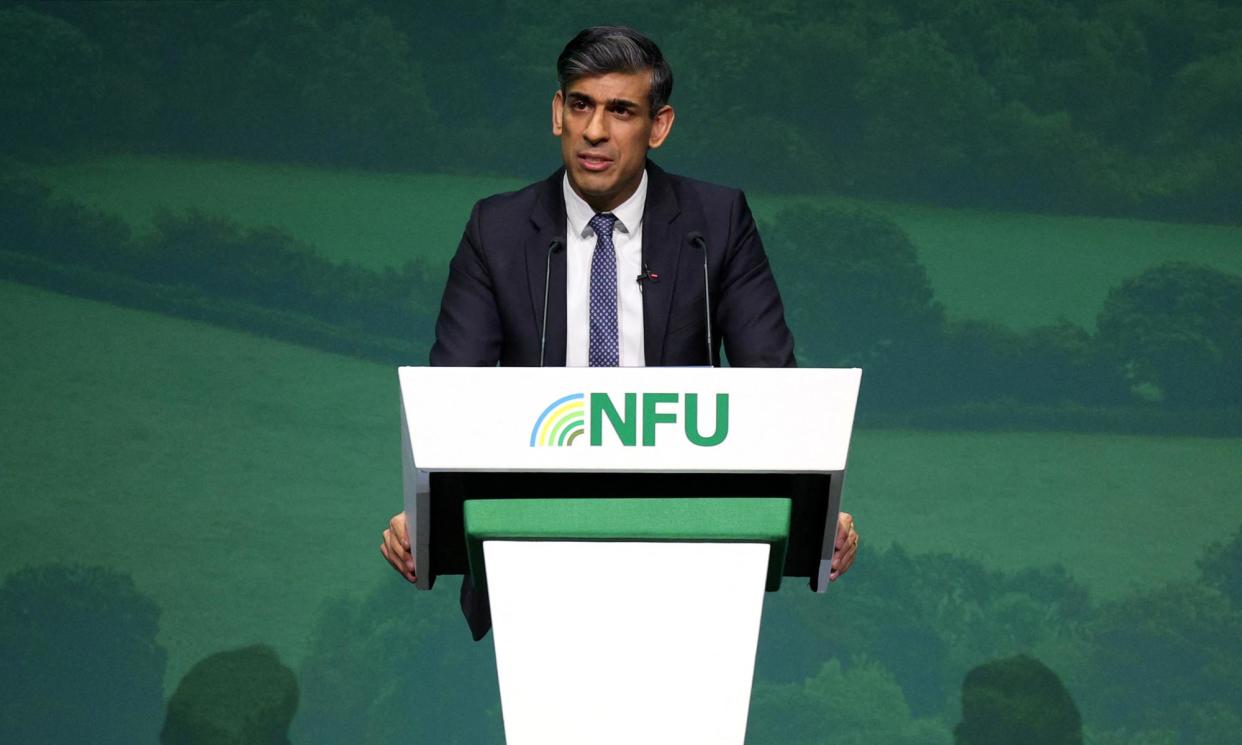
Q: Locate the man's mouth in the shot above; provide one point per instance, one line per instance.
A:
(593, 162)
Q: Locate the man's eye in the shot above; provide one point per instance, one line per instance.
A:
(578, 105)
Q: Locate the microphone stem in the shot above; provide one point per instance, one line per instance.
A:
(547, 281)
(707, 304)
(697, 239)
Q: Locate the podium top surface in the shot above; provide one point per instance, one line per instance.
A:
(652, 419)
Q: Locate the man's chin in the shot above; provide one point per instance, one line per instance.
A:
(605, 188)
(592, 185)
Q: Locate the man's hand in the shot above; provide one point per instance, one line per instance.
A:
(396, 547)
(846, 548)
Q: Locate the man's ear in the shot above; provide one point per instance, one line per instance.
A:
(558, 110)
(661, 125)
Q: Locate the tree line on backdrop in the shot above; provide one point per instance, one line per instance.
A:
(1023, 653)
(1125, 107)
(203, 267)
(1166, 356)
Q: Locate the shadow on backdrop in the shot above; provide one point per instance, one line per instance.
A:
(1019, 701)
(244, 696)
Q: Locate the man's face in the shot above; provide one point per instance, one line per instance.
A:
(606, 129)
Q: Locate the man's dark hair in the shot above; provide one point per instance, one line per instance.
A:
(600, 50)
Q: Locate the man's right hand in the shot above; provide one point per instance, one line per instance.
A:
(396, 547)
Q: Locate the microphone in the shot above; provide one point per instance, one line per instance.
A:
(697, 239)
(555, 245)
(646, 275)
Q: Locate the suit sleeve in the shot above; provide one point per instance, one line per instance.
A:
(749, 314)
(468, 330)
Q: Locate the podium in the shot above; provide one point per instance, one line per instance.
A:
(626, 523)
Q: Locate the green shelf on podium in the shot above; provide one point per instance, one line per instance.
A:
(653, 520)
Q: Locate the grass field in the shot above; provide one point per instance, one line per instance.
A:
(1014, 268)
(374, 219)
(1026, 269)
(243, 481)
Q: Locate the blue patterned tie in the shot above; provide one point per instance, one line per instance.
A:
(604, 343)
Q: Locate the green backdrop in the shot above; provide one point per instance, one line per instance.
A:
(223, 224)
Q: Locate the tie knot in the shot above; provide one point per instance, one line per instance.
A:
(602, 224)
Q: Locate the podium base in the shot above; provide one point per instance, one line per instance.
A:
(625, 642)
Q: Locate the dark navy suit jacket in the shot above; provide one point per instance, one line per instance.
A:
(492, 312)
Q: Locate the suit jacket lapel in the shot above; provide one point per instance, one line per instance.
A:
(662, 254)
(548, 219)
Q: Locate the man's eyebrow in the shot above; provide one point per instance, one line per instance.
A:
(613, 103)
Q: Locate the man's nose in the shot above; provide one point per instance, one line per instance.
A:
(597, 127)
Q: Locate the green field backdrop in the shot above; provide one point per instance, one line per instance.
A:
(1015, 268)
(223, 225)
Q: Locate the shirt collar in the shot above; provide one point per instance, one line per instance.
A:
(629, 213)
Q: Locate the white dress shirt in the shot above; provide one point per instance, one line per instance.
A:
(627, 239)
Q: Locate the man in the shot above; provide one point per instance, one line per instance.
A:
(614, 249)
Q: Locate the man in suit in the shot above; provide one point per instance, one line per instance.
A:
(629, 261)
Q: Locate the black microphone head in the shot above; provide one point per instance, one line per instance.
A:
(556, 244)
(696, 238)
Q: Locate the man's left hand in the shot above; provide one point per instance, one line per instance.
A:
(846, 548)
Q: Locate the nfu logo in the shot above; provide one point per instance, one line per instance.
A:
(567, 418)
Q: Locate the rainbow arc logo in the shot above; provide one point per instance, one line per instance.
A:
(561, 423)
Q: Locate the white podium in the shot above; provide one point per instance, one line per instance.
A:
(626, 523)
